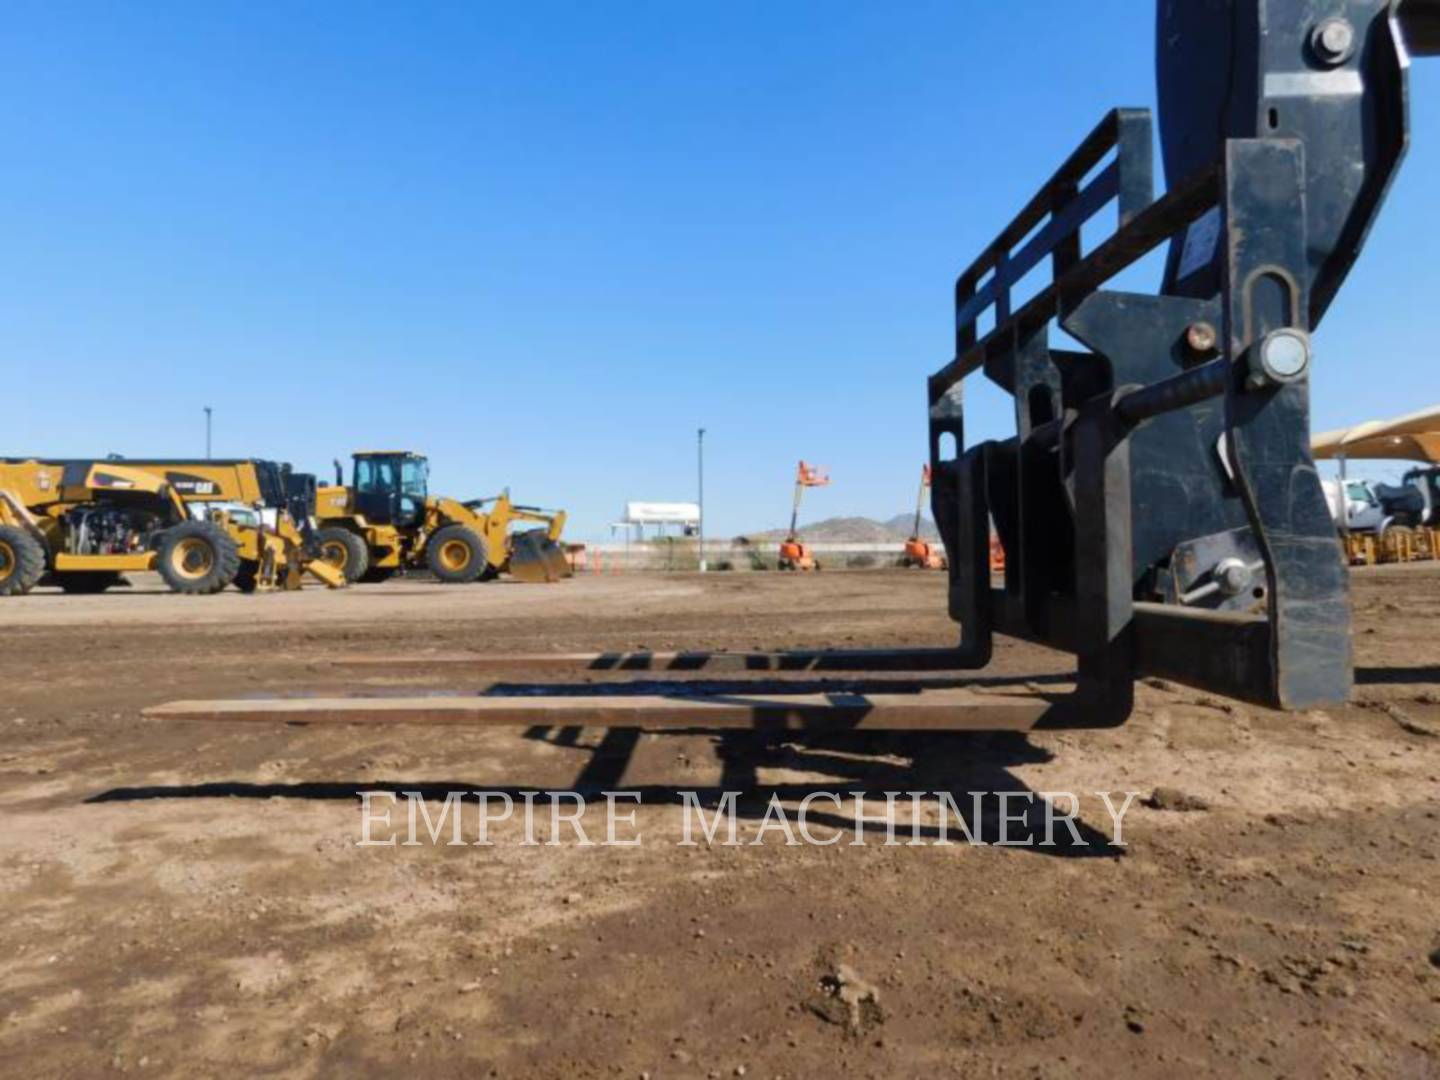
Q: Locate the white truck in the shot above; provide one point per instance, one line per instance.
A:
(1358, 507)
(1370, 507)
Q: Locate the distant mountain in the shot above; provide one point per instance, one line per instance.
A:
(856, 530)
(903, 523)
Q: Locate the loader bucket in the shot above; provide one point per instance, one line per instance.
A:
(535, 558)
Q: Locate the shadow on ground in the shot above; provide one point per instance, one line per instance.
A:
(1379, 676)
(973, 769)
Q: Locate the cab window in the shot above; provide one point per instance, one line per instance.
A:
(374, 474)
(1360, 492)
(414, 476)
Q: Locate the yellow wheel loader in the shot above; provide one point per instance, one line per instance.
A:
(386, 521)
(80, 525)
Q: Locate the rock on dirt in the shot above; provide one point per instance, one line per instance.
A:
(1169, 798)
(848, 999)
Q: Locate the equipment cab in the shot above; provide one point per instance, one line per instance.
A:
(390, 486)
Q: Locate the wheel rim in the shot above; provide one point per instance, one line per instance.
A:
(7, 560)
(454, 555)
(193, 558)
(335, 553)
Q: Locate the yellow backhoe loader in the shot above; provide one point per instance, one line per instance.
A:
(386, 520)
(80, 525)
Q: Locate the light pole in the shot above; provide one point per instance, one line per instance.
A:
(700, 453)
(207, 432)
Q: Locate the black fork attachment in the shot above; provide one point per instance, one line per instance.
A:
(1158, 505)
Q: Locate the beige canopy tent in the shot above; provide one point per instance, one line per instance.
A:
(1413, 437)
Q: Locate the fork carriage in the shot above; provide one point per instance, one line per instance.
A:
(1158, 506)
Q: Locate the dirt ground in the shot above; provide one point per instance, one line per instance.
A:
(189, 899)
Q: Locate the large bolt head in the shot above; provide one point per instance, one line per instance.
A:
(1233, 576)
(1282, 357)
(1333, 41)
(1201, 338)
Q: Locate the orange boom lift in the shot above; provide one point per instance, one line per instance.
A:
(793, 554)
(921, 553)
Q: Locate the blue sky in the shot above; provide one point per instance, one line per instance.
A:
(544, 242)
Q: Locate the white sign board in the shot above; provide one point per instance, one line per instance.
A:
(661, 513)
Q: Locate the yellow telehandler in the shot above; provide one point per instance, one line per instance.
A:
(80, 525)
(273, 486)
(386, 520)
(283, 500)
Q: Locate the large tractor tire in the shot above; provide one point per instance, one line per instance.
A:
(198, 558)
(345, 551)
(85, 583)
(456, 555)
(22, 561)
